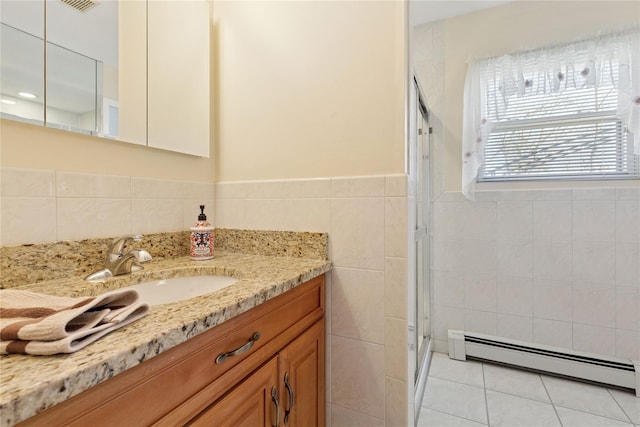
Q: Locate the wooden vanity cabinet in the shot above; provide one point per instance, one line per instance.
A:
(185, 385)
(288, 390)
(301, 369)
(250, 403)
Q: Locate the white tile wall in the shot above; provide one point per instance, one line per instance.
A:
(27, 220)
(357, 381)
(27, 183)
(395, 337)
(343, 417)
(552, 220)
(366, 219)
(395, 287)
(594, 221)
(40, 206)
(553, 300)
(357, 232)
(557, 267)
(92, 217)
(515, 258)
(395, 402)
(428, 58)
(515, 327)
(552, 332)
(515, 219)
(515, 296)
(357, 301)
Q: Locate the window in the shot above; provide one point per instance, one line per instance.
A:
(564, 112)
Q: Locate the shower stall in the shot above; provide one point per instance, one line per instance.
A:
(419, 218)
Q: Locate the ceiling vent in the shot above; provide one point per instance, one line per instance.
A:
(80, 5)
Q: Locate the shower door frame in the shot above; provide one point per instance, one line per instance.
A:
(420, 173)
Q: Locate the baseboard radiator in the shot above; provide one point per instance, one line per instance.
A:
(554, 360)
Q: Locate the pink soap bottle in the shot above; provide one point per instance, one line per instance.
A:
(202, 238)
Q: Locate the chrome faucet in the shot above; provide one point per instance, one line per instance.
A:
(120, 259)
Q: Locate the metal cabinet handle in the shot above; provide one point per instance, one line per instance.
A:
(290, 391)
(274, 399)
(240, 350)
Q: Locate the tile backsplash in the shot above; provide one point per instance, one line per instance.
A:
(40, 206)
(556, 267)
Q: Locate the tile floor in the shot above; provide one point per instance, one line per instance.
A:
(471, 393)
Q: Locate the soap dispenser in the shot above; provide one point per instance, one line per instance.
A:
(202, 238)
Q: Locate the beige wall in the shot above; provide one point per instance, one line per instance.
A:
(308, 89)
(508, 28)
(29, 146)
(304, 89)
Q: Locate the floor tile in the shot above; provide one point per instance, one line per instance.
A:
(456, 396)
(343, 417)
(509, 411)
(455, 399)
(572, 418)
(583, 397)
(431, 418)
(461, 371)
(629, 402)
(514, 381)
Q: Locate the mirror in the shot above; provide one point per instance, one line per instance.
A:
(96, 79)
(81, 51)
(22, 61)
(81, 48)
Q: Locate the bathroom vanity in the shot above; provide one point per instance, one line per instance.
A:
(278, 371)
(252, 353)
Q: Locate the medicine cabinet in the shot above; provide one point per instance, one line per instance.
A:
(133, 71)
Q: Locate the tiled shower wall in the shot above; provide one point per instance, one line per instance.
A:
(38, 206)
(366, 294)
(557, 267)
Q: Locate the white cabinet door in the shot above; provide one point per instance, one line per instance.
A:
(178, 76)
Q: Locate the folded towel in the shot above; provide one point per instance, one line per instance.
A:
(33, 323)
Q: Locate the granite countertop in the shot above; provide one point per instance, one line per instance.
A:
(31, 384)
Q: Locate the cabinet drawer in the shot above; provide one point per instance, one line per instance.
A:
(145, 393)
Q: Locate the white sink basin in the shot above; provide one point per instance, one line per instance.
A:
(180, 288)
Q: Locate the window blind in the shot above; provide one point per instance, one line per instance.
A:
(559, 123)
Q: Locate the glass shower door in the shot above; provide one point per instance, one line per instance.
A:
(423, 313)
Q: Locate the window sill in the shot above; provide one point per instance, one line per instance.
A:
(556, 184)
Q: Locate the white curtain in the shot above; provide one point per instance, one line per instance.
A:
(552, 70)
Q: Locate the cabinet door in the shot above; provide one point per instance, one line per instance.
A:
(178, 76)
(302, 379)
(253, 403)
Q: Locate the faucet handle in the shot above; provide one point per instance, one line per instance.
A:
(118, 245)
(141, 255)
